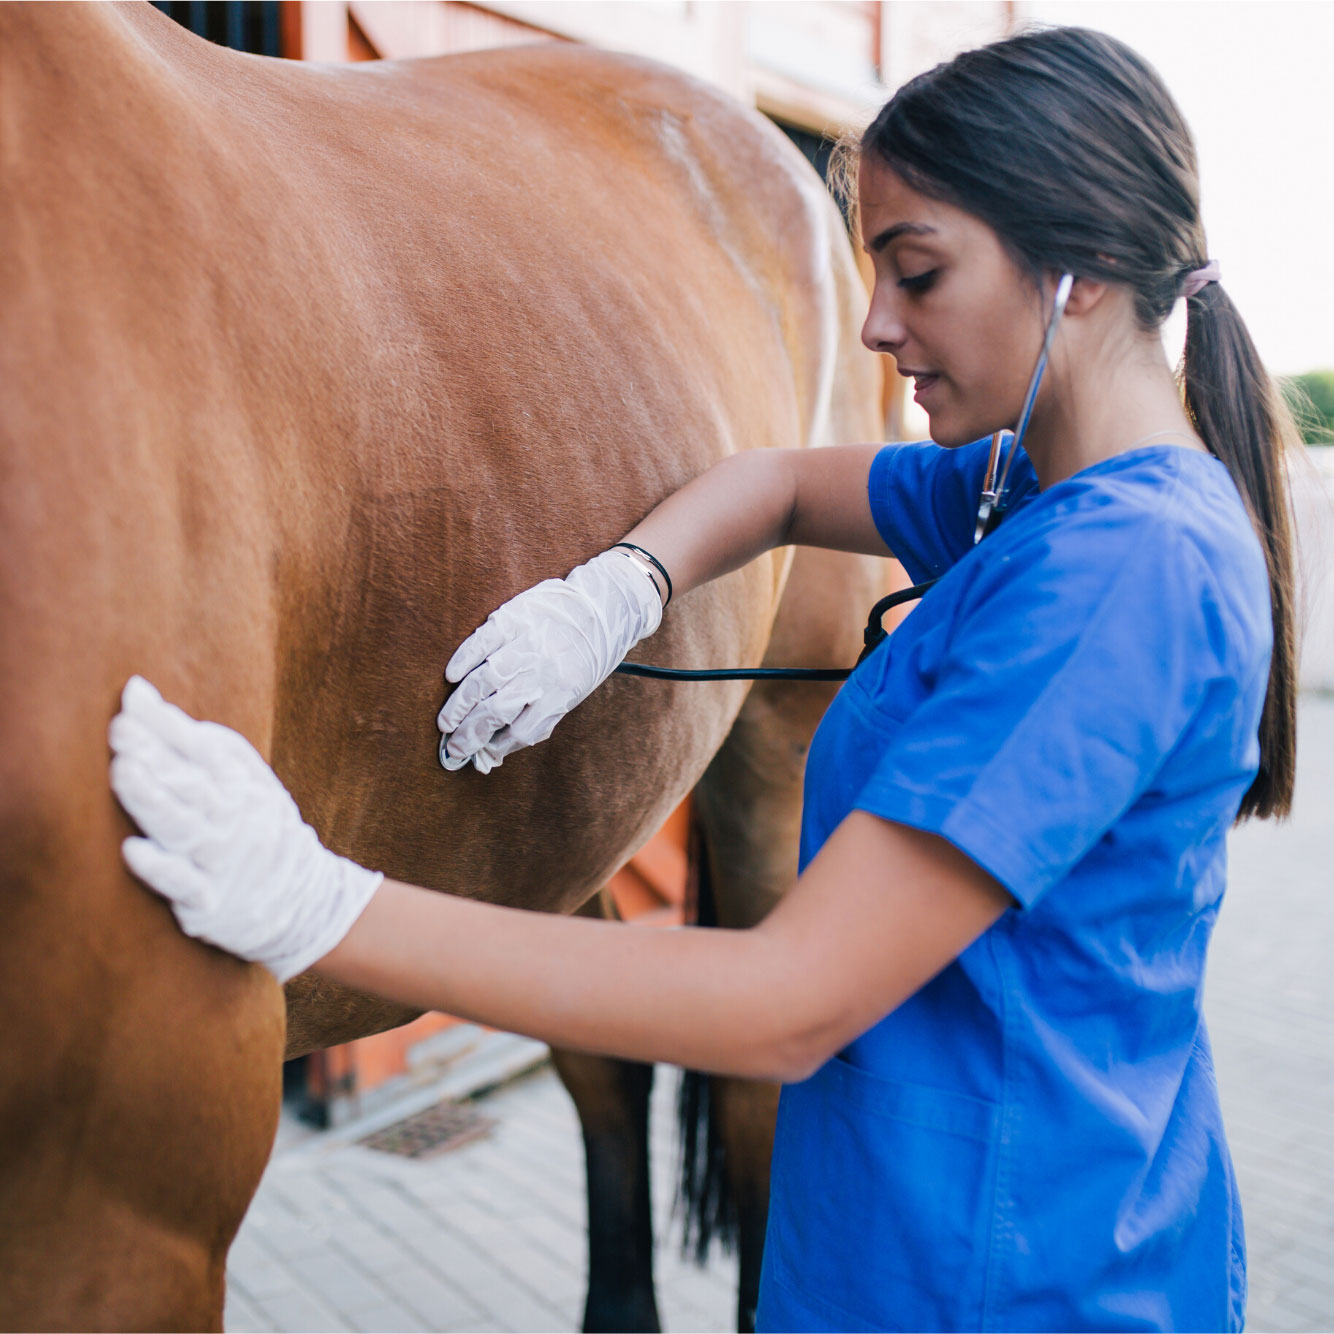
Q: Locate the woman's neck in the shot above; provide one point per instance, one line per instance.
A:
(1093, 408)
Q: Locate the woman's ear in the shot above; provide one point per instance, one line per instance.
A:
(1085, 294)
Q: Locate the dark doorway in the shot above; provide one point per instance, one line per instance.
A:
(244, 25)
(815, 148)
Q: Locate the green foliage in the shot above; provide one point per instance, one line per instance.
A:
(1311, 398)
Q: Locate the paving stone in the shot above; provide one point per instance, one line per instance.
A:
(561, 1147)
(377, 1252)
(563, 1200)
(564, 1244)
(301, 1236)
(393, 1212)
(341, 1282)
(706, 1288)
(304, 1189)
(1305, 1271)
(437, 1303)
(545, 1172)
(681, 1316)
(257, 1270)
(301, 1313)
(489, 1286)
(240, 1316)
(464, 1216)
(1288, 1314)
(486, 1190)
(551, 1281)
(391, 1318)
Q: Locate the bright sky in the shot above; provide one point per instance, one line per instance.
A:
(1255, 79)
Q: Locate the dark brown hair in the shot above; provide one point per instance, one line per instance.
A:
(1068, 145)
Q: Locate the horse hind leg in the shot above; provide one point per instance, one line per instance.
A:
(612, 1099)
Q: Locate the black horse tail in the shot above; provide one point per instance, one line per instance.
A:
(705, 1195)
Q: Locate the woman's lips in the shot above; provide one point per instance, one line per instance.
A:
(924, 384)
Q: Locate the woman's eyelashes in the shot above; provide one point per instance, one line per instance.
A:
(918, 282)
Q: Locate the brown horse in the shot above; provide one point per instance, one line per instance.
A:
(302, 371)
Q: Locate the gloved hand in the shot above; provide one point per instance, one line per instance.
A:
(224, 842)
(540, 654)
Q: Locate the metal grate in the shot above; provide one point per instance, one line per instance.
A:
(436, 1130)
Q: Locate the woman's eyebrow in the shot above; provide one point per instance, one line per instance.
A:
(882, 239)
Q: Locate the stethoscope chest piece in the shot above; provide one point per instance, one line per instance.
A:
(989, 516)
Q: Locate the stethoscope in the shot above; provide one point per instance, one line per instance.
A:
(990, 511)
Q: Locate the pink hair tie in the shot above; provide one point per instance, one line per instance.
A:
(1201, 278)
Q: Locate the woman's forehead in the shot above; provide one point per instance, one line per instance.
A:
(889, 208)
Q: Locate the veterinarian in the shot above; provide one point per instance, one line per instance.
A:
(983, 992)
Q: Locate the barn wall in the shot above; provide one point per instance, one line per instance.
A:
(820, 64)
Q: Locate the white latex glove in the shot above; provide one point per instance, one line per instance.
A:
(540, 654)
(225, 843)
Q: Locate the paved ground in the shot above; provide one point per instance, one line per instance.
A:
(1270, 1002)
(490, 1236)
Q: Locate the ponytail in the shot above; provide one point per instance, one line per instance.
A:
(1241, 416)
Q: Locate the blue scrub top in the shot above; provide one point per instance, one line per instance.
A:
(1033, 1141)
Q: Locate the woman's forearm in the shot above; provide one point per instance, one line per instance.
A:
(711, 1000)
(847, 944)
(752, 502)
(721, 520)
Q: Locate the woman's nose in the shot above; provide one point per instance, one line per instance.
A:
(882, 330)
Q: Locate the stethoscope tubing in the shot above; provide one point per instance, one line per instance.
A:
(735, 673)
(874, 633)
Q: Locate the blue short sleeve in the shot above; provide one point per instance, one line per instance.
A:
(1076, 662)
(924, 500)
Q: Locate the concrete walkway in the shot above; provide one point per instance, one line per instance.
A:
(490, 1236)
(1270, 1005)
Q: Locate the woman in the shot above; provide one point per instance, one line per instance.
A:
(983, 992)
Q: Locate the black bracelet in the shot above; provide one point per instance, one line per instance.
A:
(655, 562)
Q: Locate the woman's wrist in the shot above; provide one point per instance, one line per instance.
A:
(726, 517)
(651, 566)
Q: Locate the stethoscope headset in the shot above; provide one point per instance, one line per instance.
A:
(990, 511)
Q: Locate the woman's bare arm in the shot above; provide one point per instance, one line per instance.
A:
(750, 503)
(879, 912)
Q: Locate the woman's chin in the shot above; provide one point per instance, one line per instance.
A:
(952, 431)
(947, 431)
